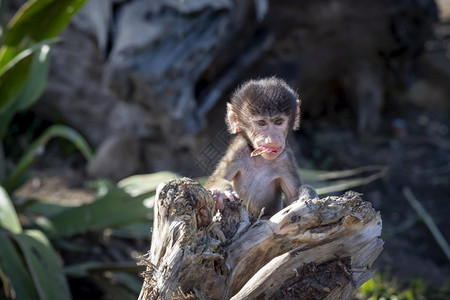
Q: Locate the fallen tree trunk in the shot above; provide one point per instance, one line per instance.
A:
(314, 249)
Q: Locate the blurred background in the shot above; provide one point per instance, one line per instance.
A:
(93, 93)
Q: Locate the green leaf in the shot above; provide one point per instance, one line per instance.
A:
(16, 277)
(23, 69)
(138, 230)
(81, 269)
(3, 19)
(308, 175)
(36, 78)
(339, 185)
(37, 148)
(45, 209)
(8, 215)
(88, 267)
(73, 247)
(141, 184)
(128, 281)
(13, 77)
(11, 59)
(2, 163)
(120, 207)
(108, 283)
(38, 20)
(22, 81)
(118, 280)
(327, 182)
(112, 210)
(43, 264)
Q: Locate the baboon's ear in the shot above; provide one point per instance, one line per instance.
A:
(232, 121)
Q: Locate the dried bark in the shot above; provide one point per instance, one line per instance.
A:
(314, 249)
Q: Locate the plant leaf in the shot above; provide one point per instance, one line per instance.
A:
(83, 269)
(44, 209)
(138, 230)
(43, 264)
(113, 290)
(2, 163)
(12, 78)
(37, 148)
(8, 215)
(327, 182)
(16, 273)
(38, 20)
(22, 81)
(111, 210)
(140, 184)
(121, 207)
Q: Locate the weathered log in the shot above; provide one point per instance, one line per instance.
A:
(313, 249)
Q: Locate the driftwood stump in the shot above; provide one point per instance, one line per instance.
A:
(314, 249)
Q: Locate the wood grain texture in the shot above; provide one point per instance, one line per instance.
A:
(314, 249)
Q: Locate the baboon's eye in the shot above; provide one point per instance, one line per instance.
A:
(279, 122)
(262, 123)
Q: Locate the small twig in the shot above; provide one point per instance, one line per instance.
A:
(428, 221)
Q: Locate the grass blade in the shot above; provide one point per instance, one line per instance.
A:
(37, 148)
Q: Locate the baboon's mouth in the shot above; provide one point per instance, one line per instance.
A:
(264, 149)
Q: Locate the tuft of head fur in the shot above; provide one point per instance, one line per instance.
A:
(264, 97)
